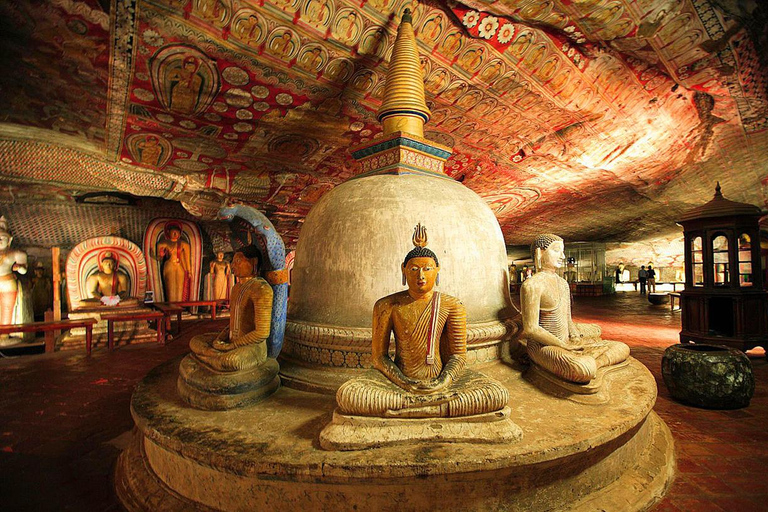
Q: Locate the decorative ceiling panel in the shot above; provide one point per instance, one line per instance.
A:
(55, 60)
(597, 119)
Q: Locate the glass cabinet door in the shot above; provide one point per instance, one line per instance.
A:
(697, 261)
(745, 260)
(720, 267)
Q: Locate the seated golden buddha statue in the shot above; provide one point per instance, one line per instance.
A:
(569, 351)
(426, 380)
(108, 281)
(231, 369)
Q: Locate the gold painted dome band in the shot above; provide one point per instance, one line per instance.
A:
(404, 88)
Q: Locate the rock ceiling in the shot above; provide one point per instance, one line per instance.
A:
(595, 119)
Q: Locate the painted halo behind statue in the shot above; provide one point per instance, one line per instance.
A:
(83, 262)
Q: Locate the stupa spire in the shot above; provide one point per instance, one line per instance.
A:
(404, 108)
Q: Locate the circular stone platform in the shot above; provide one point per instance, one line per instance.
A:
(614, 454)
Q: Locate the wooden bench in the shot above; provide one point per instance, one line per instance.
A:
(196, 303)
(54, 325)
(168, 310)
(133, 317)
(675, 296)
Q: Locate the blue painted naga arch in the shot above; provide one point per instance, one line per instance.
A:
(275, 249)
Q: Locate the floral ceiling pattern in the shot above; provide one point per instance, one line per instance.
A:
(596, 119)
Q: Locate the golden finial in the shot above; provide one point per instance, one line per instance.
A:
(420, 235)
(404, 108)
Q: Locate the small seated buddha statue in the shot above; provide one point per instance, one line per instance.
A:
(231, 369)
(427, 380)
(108, 281)
(573, 353)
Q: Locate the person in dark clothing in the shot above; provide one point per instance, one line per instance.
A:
(651, 278)
(642, 277)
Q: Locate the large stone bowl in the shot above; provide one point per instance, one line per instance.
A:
(657, 299)
(709, 376)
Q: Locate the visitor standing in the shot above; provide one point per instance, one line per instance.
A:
(642, 277)
(651, 278)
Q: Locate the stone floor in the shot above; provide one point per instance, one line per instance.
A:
(64, 418)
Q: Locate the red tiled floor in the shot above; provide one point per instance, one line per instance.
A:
(711, 485)
(667, 506)
(721, 454)
(698, 505)
(63, 418)
(732, 504)
(59, 415)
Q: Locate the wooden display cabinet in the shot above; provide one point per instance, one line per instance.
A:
(724, 301)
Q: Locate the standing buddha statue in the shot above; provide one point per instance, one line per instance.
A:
(175, 254)
(11, 261)
(219, 277)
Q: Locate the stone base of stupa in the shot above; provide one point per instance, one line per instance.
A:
(616, 455)
(125, 332)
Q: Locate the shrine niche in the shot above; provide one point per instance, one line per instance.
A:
(289, 264)
(724, 301)
(184, 79)
(106, 275)
(85, 260)
(174, 251)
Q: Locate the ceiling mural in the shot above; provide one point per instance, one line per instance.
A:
(52, 52)
(597, 119)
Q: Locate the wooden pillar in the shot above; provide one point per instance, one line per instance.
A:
(50, 338)
(56, 271)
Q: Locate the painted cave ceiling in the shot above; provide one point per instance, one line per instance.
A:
(595, 119)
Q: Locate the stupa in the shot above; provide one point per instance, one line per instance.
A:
(351, 243)
(605, 451)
